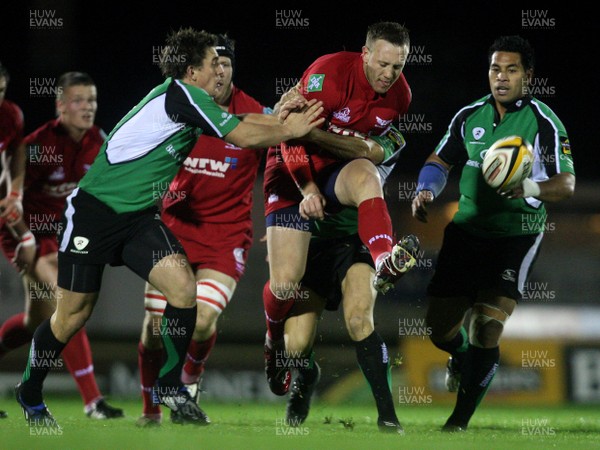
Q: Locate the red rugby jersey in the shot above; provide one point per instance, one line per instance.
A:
(54, 165)
(11, 125)
(216, 180)
(349, 101)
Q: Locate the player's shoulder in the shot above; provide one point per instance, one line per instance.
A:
(538, 105)
(473, 107)
(243, 102)
(44, 132)
(335, 62)
(12, 111)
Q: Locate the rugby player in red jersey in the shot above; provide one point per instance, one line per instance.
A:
(58, 155)
(364, 92)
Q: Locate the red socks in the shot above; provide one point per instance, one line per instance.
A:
(375, 227)
(276, 311)
(149, 363)
(78, 357)
(196, 356)
(13, 334)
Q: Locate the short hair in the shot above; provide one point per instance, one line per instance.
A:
(514, 44)
(68, 79)
(392, 32)
(184, 48)
(4, 73)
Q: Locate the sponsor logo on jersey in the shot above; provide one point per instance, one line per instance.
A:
(315, 82)
(232, 146)
(509, 275)
(273, 198)
(566, 146)
(382, 123)
(80, 243)
(58, 174)
(226, 118)
(343, 115)
(478, 132)
(208, 166)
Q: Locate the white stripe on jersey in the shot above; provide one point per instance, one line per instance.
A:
(193, 103)
(538, 172)
(557, 145)
(66, 237)
(142, 132)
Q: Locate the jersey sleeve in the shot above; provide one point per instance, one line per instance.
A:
(193, 106)
(552, 144)
(451, 148)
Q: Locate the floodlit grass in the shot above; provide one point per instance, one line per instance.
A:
(261, 426)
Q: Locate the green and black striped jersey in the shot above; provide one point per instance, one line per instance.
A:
(142, 154)
(472, 131)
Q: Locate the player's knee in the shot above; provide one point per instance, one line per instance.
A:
(362, 179)
(65, 326)
(486, 325)
(206, 320)
(359, 325)
(286, 284)
(180, 290)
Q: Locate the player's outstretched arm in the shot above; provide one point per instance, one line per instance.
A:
(432, 180)
(297, 124)
(345, 144)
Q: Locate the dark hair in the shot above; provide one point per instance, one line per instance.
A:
(389, 31)
(514, 44)
(184, 48)
(69, 79)
(4, 73)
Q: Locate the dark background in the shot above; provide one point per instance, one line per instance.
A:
(115, 46)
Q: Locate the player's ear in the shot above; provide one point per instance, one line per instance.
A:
(365, 54)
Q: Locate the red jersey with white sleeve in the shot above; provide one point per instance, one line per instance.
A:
(349, 101)
(11, 125)
(216, 180)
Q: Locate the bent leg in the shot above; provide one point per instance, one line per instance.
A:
(359, 184)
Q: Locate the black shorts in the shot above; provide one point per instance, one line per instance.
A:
(327, 264)
(468, 264)
(92, 235)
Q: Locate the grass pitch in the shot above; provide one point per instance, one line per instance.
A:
(346, 427)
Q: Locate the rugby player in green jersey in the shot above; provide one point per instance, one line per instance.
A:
(491, 244)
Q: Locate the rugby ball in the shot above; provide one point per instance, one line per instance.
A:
(507, 163)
